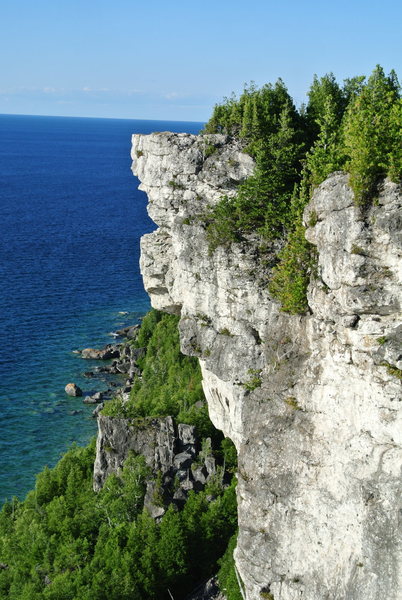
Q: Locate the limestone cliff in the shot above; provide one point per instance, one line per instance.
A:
(312, 402)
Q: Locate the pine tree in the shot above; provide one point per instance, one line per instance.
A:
(370, 126)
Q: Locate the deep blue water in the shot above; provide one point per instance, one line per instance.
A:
(71, 218)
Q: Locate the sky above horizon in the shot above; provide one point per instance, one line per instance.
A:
(175, 60)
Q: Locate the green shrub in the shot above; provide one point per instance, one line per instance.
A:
(255, 380)
(291, 276)
(373, 135)
(392, 370)
(225, 331)
(176, 185)
(209, 150)
(227, 575)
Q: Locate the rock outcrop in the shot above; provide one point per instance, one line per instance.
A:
(312, 402)
(172, 452)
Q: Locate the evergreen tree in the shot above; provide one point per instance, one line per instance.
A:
(326, 155)
(323, 90)
(371, 126)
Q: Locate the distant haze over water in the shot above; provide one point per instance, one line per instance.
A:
(71, 218)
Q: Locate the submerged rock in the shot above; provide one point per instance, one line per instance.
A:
(94, 399)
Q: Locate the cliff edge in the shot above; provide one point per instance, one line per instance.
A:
(312, 402)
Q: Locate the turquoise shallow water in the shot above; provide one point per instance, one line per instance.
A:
(71, 218)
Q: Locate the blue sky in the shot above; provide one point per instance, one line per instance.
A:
(175, 59)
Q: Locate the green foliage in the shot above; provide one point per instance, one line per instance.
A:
(357, 250)
(229, 455)
(326, 154)
(392, 370)
(291, 276)
(209, 150)
(66, 542)
(373, 135)
(262, 201)
(147, 328)
(357, 127)
(324, 92)
(176, 185)
(255, 380)
(313, 219)
(225, 331)
(292, 402)
(227, 575)
(170, 382)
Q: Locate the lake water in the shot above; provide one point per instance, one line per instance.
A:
(71, 217)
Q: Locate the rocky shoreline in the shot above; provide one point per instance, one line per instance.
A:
(179, 462)
(121, 359)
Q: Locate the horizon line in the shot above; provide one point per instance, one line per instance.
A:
(108, 118)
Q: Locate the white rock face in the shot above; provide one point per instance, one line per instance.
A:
(312, 402)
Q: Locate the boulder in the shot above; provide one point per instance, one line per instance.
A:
(123, 367)
(186, 434)
(210, 465)
(187, 438)
(179, 498)
(72, 389)
(207, 591)
(182, 461)
(106, 353)
(200, 474)
(97, 410)
(134, 370)
(152, 502)
(94, 399)
(128, 332)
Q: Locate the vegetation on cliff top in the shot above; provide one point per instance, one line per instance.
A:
(356, 127)
(66, 542)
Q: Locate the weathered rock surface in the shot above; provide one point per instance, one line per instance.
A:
(153, 439)
(319, 436)
(170, 450)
